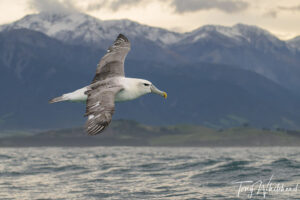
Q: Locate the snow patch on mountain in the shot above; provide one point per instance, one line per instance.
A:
(77, 26)
(238, 33)
(295, 43)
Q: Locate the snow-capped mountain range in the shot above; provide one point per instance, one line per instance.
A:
(78, 27)
(81, 27)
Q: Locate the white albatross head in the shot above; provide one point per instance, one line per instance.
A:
(144, 87)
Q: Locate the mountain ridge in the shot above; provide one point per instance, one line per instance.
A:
(94, 30)
(54, 25)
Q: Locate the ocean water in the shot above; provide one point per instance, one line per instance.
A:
(149, 173)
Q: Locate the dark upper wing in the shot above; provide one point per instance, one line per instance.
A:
(100, 107)
(112, 63)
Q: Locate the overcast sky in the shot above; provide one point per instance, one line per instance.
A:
(280, 17)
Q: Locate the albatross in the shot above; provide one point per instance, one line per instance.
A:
(109, 86)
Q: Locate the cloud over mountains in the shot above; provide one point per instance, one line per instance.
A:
(228, 6)
(53, 6)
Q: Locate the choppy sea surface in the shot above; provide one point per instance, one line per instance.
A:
(149, 173)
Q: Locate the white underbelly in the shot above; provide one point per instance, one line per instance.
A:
(126, 95)
(80, 96)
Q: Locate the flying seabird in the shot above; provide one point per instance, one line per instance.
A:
(109, 86)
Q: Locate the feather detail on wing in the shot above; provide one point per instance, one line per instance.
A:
(100, 107)
(112, 63)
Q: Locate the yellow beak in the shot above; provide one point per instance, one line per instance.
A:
(157, 91)
(165, 95)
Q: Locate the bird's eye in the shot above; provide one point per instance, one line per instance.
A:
(146, 84)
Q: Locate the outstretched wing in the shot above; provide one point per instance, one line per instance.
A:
(112, 63)
(100, 107)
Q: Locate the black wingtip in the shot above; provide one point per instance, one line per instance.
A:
(123, 37)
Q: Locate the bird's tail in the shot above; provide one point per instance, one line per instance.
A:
(58, 99)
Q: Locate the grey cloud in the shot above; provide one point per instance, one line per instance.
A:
(228, 6)
(117, 4)
(271, 13)
(292, 8)
(53, 6)
(114, 5)
(180, 6)
(274, 12)
(96, 5)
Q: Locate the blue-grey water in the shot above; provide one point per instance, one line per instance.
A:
(149, 173)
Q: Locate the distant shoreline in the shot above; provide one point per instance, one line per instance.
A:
(130, 133)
